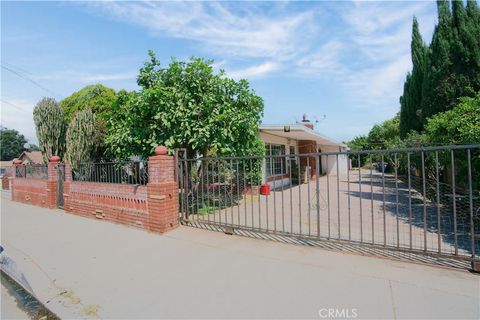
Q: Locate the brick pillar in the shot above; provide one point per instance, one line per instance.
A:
(52, 182)
(162, 192)
(16, 164)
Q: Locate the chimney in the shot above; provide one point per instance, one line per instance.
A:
(307, 122)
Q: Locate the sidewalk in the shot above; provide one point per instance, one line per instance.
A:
(82, 268)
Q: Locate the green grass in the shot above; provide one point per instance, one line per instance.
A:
(206, 210)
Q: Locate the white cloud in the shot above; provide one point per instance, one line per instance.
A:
(382, 31)
(370, 59)
(381, 81)
(254, 71)
(326, 59)
(375, 33)
(219, 27)
(368, 18)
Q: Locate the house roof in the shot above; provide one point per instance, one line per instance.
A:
(34, 156)
(299, 132)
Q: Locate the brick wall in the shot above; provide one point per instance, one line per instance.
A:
(38, 192)
(119, 203)
(30, 191)
(308, 146)
(153, 207)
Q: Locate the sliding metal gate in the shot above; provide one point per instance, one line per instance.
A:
(420, 201)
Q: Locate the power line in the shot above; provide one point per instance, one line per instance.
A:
(11, 66)
(13, 105)
(27, 78)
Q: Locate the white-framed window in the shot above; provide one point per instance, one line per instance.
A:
(275, 165)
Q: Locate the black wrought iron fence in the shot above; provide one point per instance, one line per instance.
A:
(415, 200)
(32, 171)
(131, 172)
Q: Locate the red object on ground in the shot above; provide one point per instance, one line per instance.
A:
(265, 189)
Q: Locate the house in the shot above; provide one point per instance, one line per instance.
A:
(5, 167)
(300, 138)
(33, 157)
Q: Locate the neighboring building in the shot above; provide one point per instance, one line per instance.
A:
(34, 157)
(5, 167)
(6, 173)
(300, 138)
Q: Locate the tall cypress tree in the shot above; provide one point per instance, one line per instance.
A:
(404, 104)
(450, 68)
(438, 82)
(411, 101)
(469, 42)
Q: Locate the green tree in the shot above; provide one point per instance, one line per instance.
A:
(385, 135)
(82, 139)
(411, 101)
(357, 144)
(11, 143)
(439, 78)
(99, 99)
(445, 71)
(96, 97)
(186, 105)
(460, 125)
(50, 126)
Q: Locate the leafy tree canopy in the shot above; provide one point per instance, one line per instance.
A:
(461, 125)
(385, 135)
(99, 100)
(11, 143)
(186, 105)
(96, 97)
(359, 143)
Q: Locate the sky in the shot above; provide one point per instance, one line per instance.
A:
(341, 63)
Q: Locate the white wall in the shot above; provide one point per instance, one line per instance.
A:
(329, 163)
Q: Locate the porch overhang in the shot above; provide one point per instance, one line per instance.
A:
(299, 132)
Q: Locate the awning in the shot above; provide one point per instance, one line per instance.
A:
(299, 132)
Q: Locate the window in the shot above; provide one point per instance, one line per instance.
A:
(275, 165)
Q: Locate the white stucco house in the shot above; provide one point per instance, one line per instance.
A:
(300, 138)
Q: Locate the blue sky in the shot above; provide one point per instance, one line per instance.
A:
(344, 60)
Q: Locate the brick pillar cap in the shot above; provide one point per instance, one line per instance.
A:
(161, 151)
(18, 161)
(55, 159)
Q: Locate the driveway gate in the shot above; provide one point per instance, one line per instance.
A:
(416, 202)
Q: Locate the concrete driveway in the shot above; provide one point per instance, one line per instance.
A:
(83, 268)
